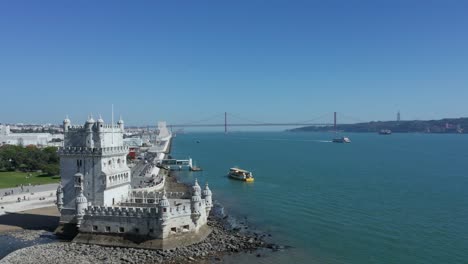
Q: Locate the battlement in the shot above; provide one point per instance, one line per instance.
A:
(75, 128)
(90, 151)
(121, 211)
(110, 126)
(155, 195)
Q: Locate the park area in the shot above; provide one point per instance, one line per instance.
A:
(28, 165)
(14, 178)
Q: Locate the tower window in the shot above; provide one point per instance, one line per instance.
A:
(95, 228)
(107, 228)
(121, 229)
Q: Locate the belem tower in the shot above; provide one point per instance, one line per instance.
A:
(97, 202)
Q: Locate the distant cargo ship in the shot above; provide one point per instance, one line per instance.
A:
(385, 132)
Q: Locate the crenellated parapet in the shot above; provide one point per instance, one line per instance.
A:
(121, 211)
(75, 128)
(102, 128)
(92, 151)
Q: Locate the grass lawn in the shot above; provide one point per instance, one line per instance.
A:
(12, 178)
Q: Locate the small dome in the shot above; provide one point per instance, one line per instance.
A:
(120, 121)
(81, 199)
(196, 188)
(164, 202)
(66, 120)
(206, 191)
(100, 120)
(90, 119)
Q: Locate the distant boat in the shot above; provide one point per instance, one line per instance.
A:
(339, 139)
(385, 132)
(342, 140)
(240, 174)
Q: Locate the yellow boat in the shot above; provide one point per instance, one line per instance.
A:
(241, 175)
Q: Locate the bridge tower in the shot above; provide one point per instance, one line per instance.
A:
(334, 120)
(225, 122)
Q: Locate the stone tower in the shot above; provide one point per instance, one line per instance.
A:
(97, 153)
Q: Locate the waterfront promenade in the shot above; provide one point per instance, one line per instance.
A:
(28, 197)
(32, 208)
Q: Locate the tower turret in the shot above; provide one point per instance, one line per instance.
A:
(195, 202)
(121, 123)
(89, 132)
(66, 124)
(90, 122)
(59, 197)
(196, 188)
(163, 209)
(80, 201)
(100, 123)
(208, 200)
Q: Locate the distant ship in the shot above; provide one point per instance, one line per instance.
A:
(240, 174)
(385, 132)
(340, 139)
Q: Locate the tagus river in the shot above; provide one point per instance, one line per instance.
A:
(401, 198)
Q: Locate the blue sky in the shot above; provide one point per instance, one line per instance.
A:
(263, 60)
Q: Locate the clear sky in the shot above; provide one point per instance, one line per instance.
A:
(264, 60)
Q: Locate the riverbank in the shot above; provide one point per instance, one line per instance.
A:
(228, 237)
(220, 242)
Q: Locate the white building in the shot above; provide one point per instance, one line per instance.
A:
(95, 194)
(24, 139)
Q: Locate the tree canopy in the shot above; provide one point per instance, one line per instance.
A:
(29, 158)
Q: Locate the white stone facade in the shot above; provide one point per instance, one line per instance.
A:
(161, 218)
(96, 194)
(96, 151)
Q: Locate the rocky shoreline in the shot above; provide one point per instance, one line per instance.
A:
(225, 238)
(228, 236)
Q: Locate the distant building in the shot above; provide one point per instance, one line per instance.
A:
(398, 116)
(24, 139)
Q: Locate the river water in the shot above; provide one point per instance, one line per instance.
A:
(400, 198)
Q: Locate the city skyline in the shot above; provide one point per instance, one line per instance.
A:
(273, 61)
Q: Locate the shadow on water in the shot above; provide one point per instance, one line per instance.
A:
(30, 221)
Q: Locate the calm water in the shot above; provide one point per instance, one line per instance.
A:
(381, 199)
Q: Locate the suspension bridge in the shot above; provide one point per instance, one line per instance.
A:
(215, 121)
